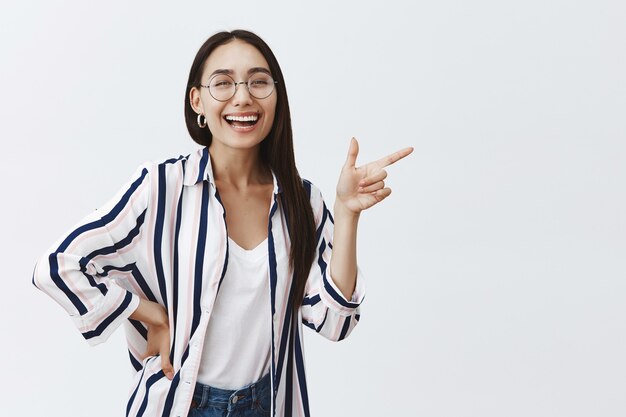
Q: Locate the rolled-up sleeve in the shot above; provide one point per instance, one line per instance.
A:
(324, 308)
(76, 270)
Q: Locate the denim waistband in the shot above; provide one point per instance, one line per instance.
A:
(205, 395)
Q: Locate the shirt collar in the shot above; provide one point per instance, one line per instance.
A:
(199, 168)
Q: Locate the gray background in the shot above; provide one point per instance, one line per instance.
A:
(495, 271)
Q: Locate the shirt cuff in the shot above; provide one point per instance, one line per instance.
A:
(99, 323)
(332, 296)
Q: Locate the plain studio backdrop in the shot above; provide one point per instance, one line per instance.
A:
(495, 270)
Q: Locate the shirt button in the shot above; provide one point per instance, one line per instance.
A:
(235, 398)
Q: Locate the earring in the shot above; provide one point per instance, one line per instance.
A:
(201, 124)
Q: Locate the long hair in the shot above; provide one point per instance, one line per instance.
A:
(276, 151)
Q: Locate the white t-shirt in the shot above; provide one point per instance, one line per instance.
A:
(236, 350)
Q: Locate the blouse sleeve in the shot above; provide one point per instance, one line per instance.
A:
(76, 271)
(324, 308)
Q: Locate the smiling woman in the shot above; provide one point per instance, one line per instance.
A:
(229, 107)
(213, 261)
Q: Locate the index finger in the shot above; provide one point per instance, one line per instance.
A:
(394, 157)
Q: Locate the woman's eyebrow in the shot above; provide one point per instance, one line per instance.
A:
(221, 71)
(258, 69)
(250, 71)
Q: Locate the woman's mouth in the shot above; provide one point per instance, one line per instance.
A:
(242, 123)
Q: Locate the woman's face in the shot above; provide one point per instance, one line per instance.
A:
(240, 60)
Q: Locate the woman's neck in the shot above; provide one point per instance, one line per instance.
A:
(240, 168)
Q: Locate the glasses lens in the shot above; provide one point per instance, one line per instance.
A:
(260, 85)
(222, 87)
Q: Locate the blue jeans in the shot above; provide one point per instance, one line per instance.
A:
(253, 400)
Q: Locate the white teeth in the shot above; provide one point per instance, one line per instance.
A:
(253, 118)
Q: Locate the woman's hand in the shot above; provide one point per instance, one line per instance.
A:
(155, 317)
(359, 188)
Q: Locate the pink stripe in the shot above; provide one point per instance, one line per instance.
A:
(150, 237)
(288, 278)
(195, 228)
(222, 252)
(195, 166)
(173, 237)
(221, 239)
(320, 212)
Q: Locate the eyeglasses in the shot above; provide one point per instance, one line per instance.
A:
(223, 87)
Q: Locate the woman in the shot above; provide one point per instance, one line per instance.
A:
(235, 219)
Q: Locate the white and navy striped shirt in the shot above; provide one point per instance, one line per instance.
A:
(163, 237)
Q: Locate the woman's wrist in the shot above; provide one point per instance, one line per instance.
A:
(342, 210)
(150, 313)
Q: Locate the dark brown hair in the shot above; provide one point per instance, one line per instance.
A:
(276, 152)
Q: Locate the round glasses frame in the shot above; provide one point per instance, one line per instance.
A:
(236, 84)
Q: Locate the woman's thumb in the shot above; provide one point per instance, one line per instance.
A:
(168, 369)
(166, 365)
(353, 151)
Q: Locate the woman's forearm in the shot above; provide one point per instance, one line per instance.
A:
(343, 266)
(150, 313)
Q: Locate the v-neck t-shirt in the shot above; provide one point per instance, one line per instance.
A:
(237, 344)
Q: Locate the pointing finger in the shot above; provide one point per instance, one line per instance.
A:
(394, 157)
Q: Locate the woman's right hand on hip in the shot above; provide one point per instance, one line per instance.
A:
(155, 317)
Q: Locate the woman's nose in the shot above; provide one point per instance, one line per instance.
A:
(242, 95)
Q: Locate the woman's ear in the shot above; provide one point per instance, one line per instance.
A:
(195, 101)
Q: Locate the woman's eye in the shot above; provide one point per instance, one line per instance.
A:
(222, 84)
(258, 83)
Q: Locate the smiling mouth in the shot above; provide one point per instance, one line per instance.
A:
(242, 121)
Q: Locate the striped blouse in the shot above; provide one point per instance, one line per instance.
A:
(163, 237)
